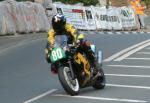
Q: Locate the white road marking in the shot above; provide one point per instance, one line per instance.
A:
(126, 75)
(138, 58)
(128, 86)
(143, 53)
(40, 96)
(130, 66)
(104, 99)
(132, 52)
(124, 51)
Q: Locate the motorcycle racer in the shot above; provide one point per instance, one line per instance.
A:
(60, 27)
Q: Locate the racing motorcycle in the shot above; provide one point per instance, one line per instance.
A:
(73, 68)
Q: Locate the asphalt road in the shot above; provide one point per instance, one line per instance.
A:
(25, 77)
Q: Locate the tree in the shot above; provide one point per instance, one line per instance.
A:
(85, 2)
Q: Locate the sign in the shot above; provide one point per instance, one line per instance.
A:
(106, 18)
(127, 16)
(89, 19)
(75, 15)
(98, 18)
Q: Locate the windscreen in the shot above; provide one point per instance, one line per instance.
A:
(60, 40)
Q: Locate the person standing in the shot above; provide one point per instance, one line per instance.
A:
(139, 10)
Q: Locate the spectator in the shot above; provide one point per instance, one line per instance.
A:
(139, 10)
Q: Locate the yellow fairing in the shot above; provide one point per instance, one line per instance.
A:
(81, 36)
(79, 58)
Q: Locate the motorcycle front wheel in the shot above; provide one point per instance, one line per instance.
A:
(71, 86)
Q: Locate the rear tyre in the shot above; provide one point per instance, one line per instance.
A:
(70, 86)
(100, 80)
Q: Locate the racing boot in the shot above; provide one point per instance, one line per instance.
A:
(94, 67)
(53, 69)
(93, 62)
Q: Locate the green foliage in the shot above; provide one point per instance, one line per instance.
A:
(26, 0)
(147, 2)
(21, 0)
(85, 2)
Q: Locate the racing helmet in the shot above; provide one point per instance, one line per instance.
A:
(58, 22)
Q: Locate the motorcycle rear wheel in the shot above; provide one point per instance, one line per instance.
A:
(100, 80)
(70, 86)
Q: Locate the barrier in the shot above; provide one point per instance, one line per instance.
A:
(98, 18)
(127, 16)
(41, 18)
(113, 19)
(6, 22)
(90, 21)
(22, 17)
(25, 17)
(74, 14)
(106, 19)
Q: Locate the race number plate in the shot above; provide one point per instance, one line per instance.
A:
(57, 54)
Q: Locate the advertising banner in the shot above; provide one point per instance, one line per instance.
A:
(98, 18)
(127, 16)
(90, 19)
(99, 15)
(75, 15)
(113, 19)
(107, 19)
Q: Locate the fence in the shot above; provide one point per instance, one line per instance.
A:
(98, 18)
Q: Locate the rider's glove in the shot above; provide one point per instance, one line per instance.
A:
(47, 55)
(48, 49)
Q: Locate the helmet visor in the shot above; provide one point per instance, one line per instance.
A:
(59, 26)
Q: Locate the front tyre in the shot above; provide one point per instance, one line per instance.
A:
(70, 86)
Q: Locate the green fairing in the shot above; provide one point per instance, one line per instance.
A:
(57, 54)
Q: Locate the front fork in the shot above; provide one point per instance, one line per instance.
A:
(99, 57)
(71, 69)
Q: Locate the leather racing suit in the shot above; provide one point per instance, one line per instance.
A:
(72, 33)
